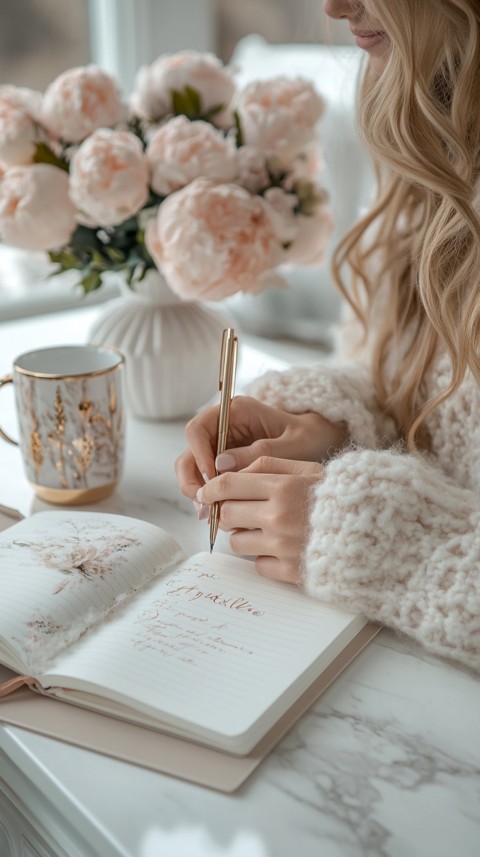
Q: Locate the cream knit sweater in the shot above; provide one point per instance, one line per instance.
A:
(393, 535)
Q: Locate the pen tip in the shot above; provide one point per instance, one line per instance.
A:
(211, 547)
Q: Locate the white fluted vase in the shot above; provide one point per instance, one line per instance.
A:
(171, 348)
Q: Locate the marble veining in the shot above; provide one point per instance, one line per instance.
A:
(360, 748)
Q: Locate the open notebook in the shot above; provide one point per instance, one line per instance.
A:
(105, 612)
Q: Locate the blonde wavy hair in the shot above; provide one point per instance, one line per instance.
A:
(421, 121)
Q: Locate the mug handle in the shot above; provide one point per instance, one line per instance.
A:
(7, 379)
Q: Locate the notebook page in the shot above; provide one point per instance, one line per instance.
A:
(60, 572)
(210, 646)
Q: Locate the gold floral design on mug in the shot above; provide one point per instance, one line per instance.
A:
(71, 419)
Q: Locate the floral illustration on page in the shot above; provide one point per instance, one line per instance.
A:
(81, 554)
(42, 633)
(44, 626)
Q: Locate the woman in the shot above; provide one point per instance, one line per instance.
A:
(360, 481)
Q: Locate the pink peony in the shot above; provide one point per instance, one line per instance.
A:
(212, 240)
(252, 171)
(17, 134)
(79, 101)
(308, 164)
(279, 115)
(19, 108)
(181, 151)
(22, 96)
(109, 177)
(304, 238)
(313, 234)
(281, 208)
(154, 84)
(36, 212)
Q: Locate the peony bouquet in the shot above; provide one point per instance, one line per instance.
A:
(212, 184)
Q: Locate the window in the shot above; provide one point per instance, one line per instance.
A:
(37, 43)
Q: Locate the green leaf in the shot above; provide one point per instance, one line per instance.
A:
(135, 126)
(99, 263)
(85, 238)
(93, 250)
(309, 197)
(44, 155)
(66, 259)
(194, 101)
(179, 103)
(56, 273)
(115, 255)
(140, 238)
(91, 282)
(129, 272)
(187, 103)
(130, 225)
(238, 126)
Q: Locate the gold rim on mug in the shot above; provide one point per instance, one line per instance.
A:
(60, 376)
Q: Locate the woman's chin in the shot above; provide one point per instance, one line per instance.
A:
(378, 62)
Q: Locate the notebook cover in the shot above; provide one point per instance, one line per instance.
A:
(149, 748)
(155, 750)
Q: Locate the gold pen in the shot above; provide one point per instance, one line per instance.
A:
(226, 385)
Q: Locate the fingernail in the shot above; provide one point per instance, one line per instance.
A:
(205, 477)
(225, 461)
(201, 509)
(200, 495)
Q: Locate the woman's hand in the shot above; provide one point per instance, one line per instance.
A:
(255, 430)
(267, 506)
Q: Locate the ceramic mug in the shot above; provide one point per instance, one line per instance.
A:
(69, 402)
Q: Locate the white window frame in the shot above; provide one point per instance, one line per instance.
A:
(125, 34)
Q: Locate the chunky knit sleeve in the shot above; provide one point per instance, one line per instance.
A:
(340, 394)
(395, 539)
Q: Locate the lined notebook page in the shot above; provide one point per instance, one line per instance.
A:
(60, 572)
(210, 646)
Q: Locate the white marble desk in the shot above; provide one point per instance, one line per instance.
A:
(386, 764)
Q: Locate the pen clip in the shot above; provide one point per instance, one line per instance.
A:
(228, 361)
(223, 355)
(233, 365)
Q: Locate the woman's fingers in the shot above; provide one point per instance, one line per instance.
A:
(287, 571)
(262, 480)
(271, 505)
(240, 458)
(275, 434)
(253, 543)
(188, 476)
(237, 486)
(268, 464)
(245, 426)
(258, 436)
(201, 435)
(265, 506)
(241, 514)
(201, 431)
